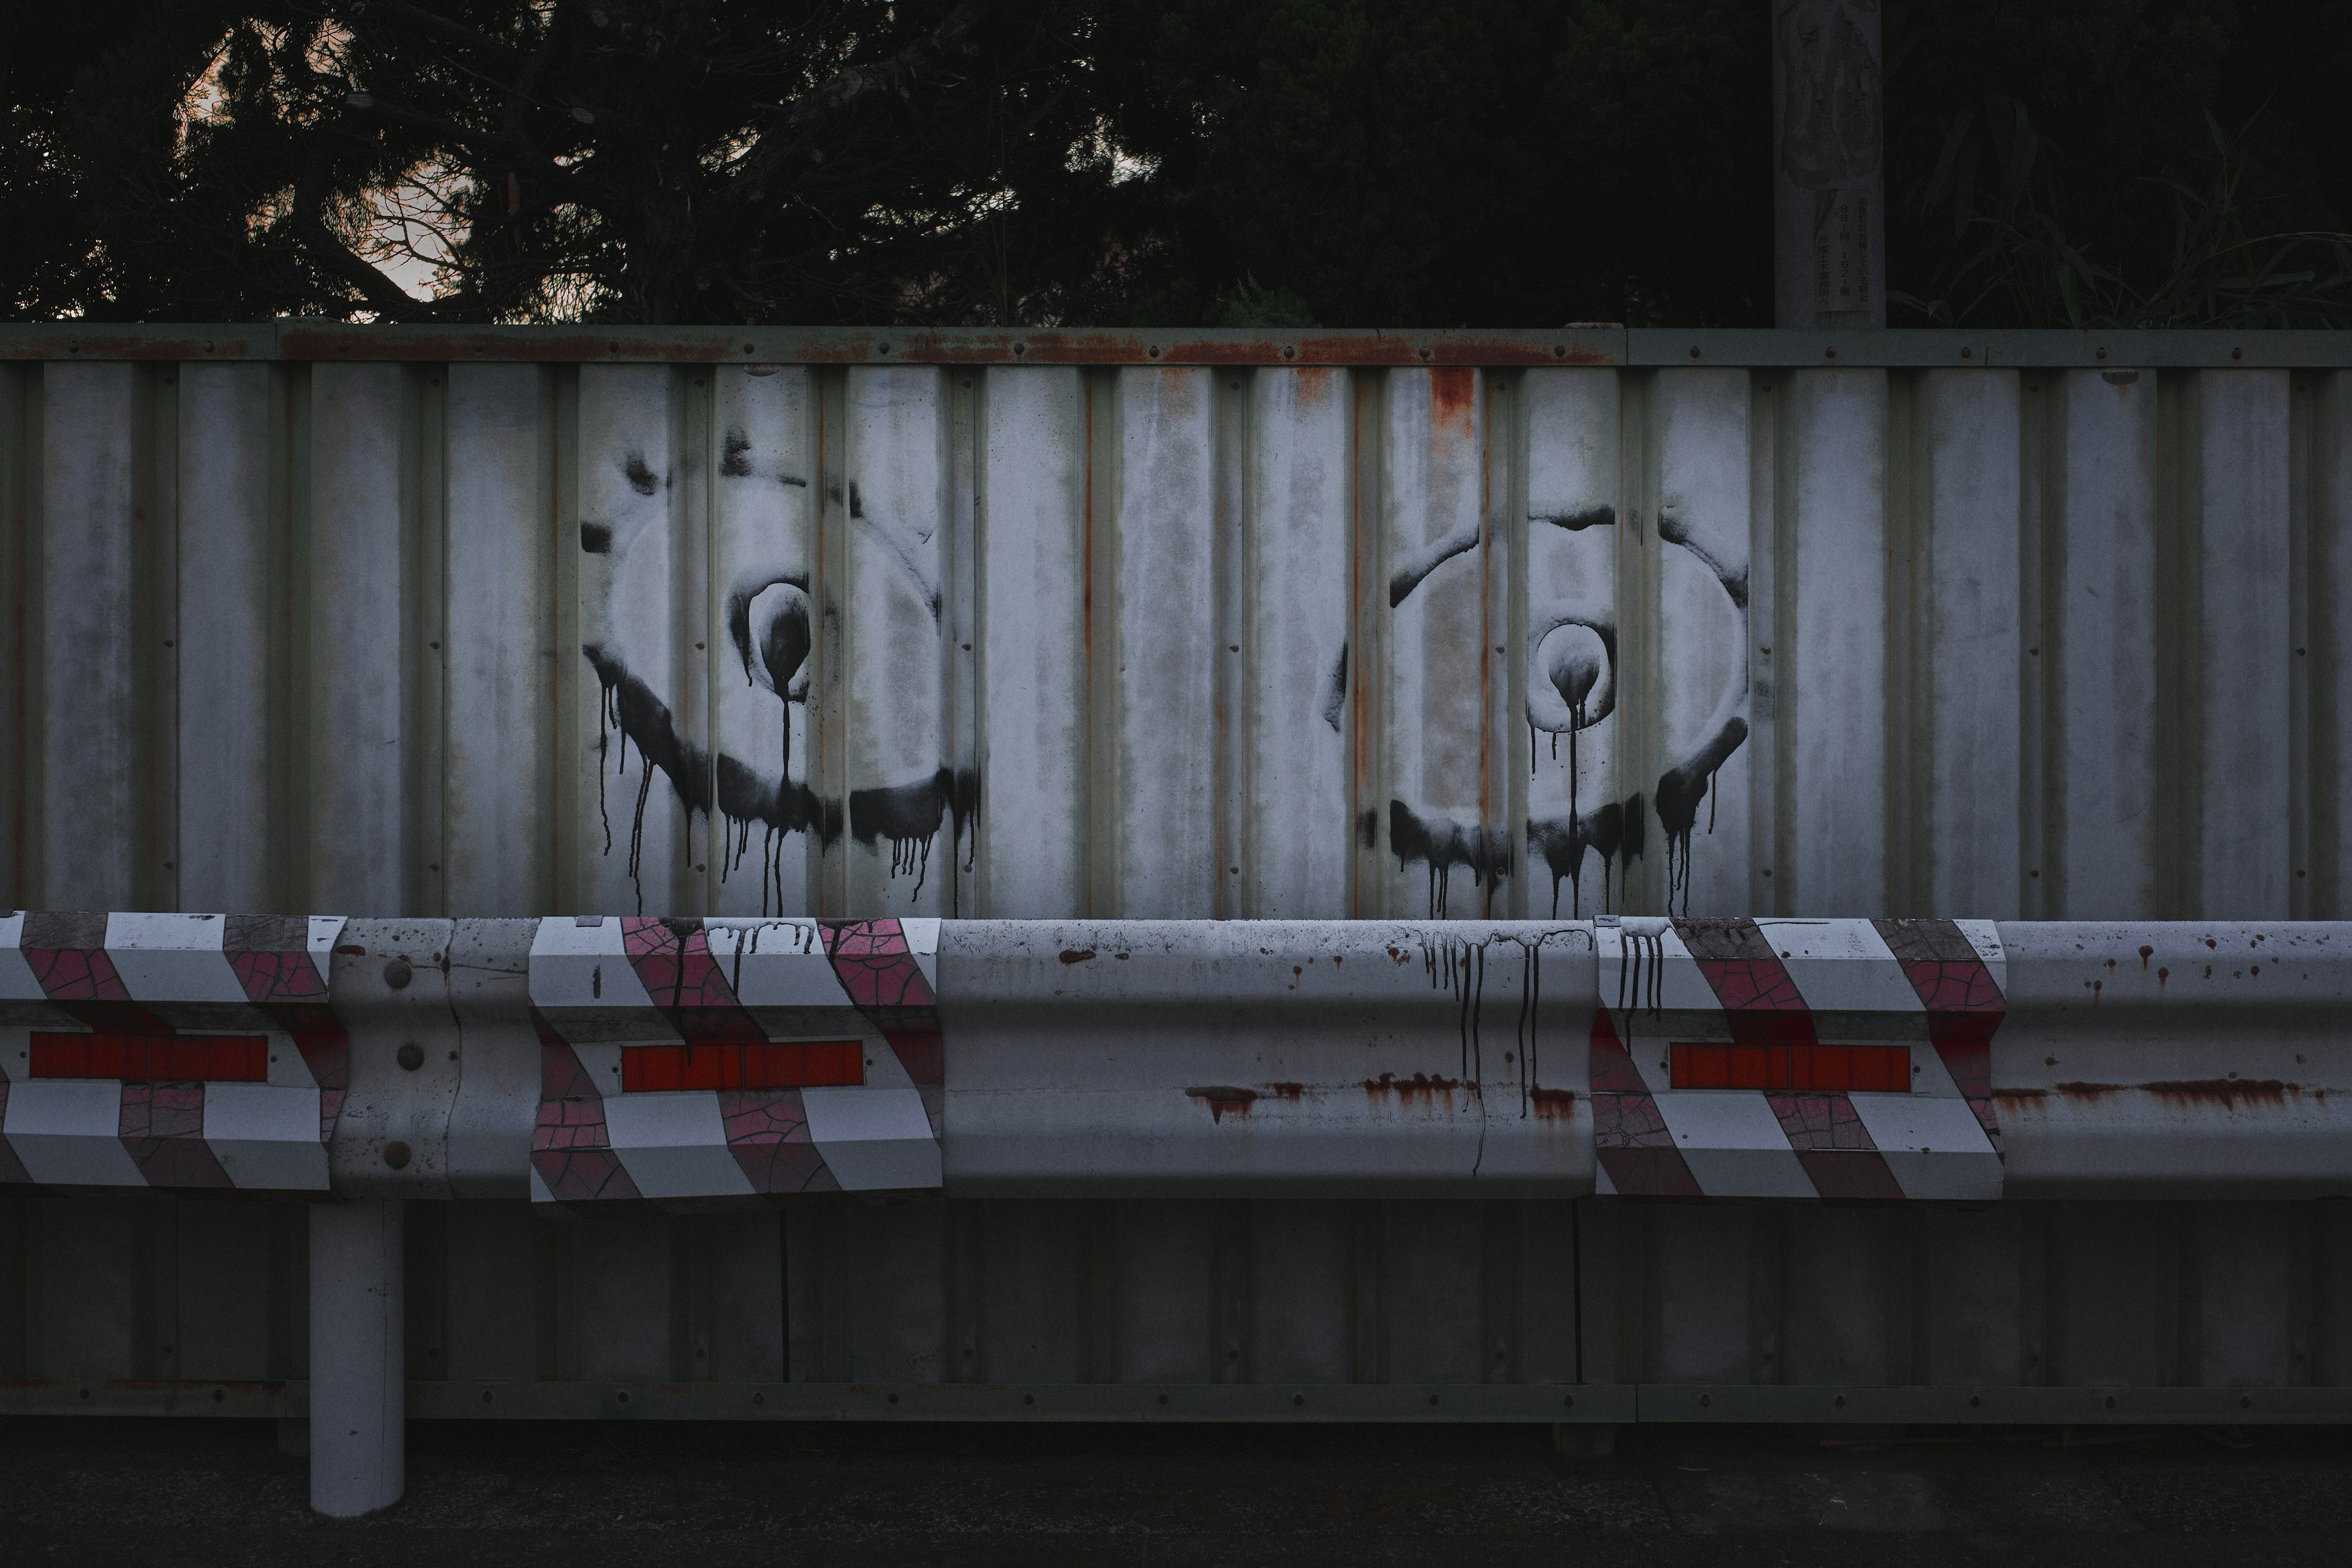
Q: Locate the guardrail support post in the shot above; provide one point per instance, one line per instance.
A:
(358, 1390)
(1828, 181)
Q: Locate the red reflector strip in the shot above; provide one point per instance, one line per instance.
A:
(794, 1064)
(1819, 1069)
(154, 1058)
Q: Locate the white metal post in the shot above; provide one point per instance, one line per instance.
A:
(1828, 181)
(358, 1392)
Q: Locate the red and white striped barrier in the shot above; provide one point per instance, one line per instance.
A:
(715, 1059)
(1797, 1059)
(168, 1050)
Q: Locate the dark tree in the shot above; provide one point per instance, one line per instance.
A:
(725, 160)
(1270, 162)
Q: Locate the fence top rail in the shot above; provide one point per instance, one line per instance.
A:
(1588, 343)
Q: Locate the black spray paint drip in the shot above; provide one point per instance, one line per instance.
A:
(1680, 789)
(1458, 964)
(629, 708)
(803, 936)
(909, 815)
(1442, 846)
(628, 711)
(1614, 833)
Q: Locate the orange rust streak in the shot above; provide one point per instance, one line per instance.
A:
(1454, 400)
(2229, 1092)
(2183, 1094)
(1420, 1086)
(1316, 384)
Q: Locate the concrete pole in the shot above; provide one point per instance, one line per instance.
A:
(358, 1359)
(1829, 184)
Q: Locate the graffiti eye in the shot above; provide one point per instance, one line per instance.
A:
(780, 633)
(1568, 684)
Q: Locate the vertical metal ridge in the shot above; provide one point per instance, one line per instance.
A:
(1507, 466)
(1788, 886)
(1231, 464)
(828, 765)
(162, 807)
(692, 871)
(1638, 674)
(1497, 600)
(2042, 497)
(556, 824)
(960, 645)
(2328, 593)
(290, 727)
(1241, 649)
(1103, 526)
(568, 826)
(1370, 706)
(2179, 736)
(970, 477)
(2300, 578)
(424, 747)
(1764, 687)
(704, 439)
(1908, 694)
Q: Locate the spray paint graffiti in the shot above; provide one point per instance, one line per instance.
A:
(643, 638)
(1572, 684)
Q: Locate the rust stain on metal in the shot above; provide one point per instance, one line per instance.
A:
(124, 346)
(1077, 954)
(2229, 1093)
(1316, 384)
(2181, 1094)
(1286, 1090)
(1420, 1086)
(1553, 1104)
(1222, 1097)
(1453, 401)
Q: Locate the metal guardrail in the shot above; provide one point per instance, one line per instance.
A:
(616, 1067)
(627, 1059)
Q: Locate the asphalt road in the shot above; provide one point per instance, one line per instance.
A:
(516, 1494)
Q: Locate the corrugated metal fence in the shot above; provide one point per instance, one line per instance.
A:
(390, 621)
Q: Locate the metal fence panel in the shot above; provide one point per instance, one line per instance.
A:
(982, 636)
